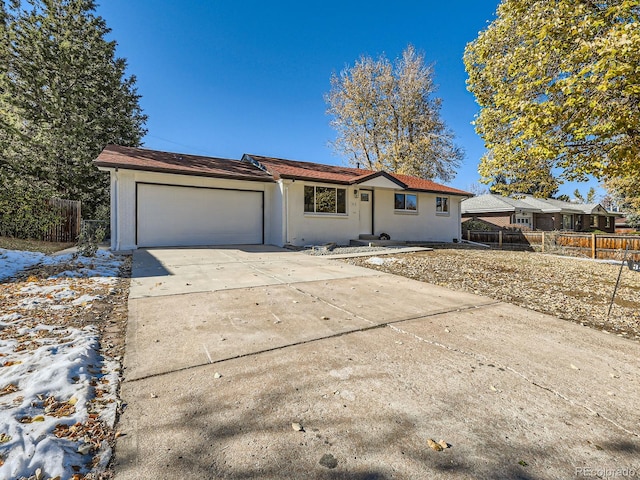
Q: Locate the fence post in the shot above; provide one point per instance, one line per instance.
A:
(593, 246)
(500, 239)
(469, 235)
(542, 249)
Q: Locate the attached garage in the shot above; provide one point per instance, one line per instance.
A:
(166, 199)
(172, 215)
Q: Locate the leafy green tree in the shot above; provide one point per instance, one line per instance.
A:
(633, 220)
(590, 198)
(625, 192)
(387, 118)
(558, 85)
(67, 96)
(543, 184)
(24, 209)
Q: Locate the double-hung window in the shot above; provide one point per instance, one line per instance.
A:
(325, 200)
(442, 205)
(405, 202)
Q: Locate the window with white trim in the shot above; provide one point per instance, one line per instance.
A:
(442, 205)
(405, 202)
(522, 218)
(325, 200)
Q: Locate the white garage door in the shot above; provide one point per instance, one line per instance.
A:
(173, 216)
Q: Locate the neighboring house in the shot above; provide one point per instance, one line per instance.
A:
(528, 212)
(622, 226)
(170, 199)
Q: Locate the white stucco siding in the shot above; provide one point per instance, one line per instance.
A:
(124, 237)
(316, 229)
(123, 185)
(282, 211)
(424, 225)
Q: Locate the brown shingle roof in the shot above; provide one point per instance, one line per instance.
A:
(420, 184)
(280, 168)
(115, 156)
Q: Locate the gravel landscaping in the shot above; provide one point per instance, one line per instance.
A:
(573, 289)
(344, 250)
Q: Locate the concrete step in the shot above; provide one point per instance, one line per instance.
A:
(376, 243)
(359, 243)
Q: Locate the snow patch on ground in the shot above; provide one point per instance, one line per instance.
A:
(101, 265)
(381, 261)
(13, 261)
(57, 365)
(56, 392)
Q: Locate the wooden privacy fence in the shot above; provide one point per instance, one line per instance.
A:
(68, 228)
(602, 246)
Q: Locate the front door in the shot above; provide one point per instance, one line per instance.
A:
(366, 211)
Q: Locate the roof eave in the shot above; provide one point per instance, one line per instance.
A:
(486, 210)
(373, 175)
(106, 166)
(441, 192)
(315, 179)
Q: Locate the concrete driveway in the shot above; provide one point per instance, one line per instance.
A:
(228, 347)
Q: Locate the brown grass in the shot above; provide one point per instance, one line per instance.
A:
(568, 288)
(33, 245)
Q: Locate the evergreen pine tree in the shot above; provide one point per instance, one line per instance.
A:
(66, 96)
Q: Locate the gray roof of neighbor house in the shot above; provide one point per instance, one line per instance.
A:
(492, 203)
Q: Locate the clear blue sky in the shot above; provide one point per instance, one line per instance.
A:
(225, 77)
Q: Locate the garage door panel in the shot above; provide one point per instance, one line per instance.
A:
(188, 216)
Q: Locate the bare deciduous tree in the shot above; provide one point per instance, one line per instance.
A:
(387, 117)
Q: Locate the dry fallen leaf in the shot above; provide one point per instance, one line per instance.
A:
(443, 444)
(434, 445)
(11, 363)
(11, 388)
